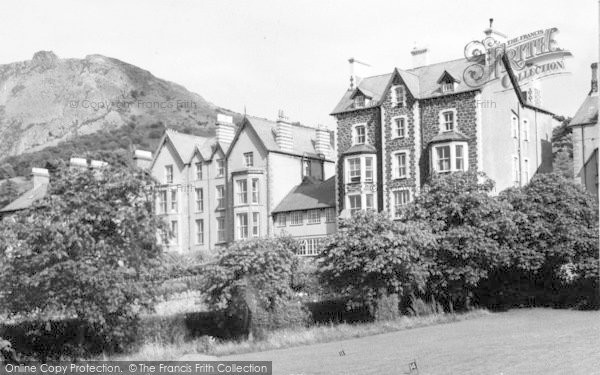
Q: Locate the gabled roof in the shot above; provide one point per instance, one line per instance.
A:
(310, 194)
(445, 77)
(26, 199)
(266, 130)
(186, 146)
(422, 82)
(587, 113)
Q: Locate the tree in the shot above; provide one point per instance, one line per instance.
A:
(7, 171)
(8, 192)
(372, 257)
(556, 254)
(474, 233)
(88, 250)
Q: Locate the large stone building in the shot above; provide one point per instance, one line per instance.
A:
(214, 190)
(396, 129)
(585, 139)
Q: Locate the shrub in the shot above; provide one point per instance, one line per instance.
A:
(371, 257)
(87, 249)
(474, 233)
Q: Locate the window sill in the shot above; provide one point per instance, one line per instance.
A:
(403, 137)
(400, 178)
(313, 223)
(296, 225)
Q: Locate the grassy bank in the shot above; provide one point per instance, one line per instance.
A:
(287, 338)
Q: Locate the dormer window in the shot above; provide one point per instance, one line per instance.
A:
(447, 87)
(359, 136)
(359, 101)
(449, 157)
(399, 96)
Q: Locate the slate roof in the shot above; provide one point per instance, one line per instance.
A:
(448, 137)
(310, 194)
(422, 82)
(587, 113)
(360, 149)
(26, 199)
(303, 137)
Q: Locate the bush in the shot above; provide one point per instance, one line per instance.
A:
(419, 307)
(371, 257)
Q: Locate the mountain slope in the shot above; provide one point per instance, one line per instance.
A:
(49, 101)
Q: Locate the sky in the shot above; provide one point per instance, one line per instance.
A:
(291, 55)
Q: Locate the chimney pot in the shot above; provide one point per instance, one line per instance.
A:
(284, 137)
(420, 56)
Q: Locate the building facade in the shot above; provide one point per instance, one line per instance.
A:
(584, 127)
(395, 130)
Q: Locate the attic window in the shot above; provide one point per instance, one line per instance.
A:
(360, 101)
(399, 96)
(447, 86)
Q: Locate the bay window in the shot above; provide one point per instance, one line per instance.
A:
(368, 169)
(354, 169)
(242, 225)
(449, 157)
(242, 191)
(355, 203)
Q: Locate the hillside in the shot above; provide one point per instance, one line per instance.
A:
(52, 108)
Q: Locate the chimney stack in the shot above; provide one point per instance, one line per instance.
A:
(284, 137)
(358, 71)
(85, 163)
(142, 159)
(420, 56)
(594, 88)
(225, 129)
(40, 176)
(322, 140)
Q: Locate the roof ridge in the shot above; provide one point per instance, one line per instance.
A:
(434, 64)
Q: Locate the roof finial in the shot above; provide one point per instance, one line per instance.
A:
(491, 22)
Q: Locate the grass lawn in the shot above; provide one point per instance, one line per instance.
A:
(527, 341)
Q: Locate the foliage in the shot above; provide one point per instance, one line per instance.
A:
(9, 191)
(474, 233)
(89, 248)
(264, 264)
(563, 163)
(371, 257)
(557, 246)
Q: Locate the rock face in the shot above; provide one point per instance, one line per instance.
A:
(48, 99)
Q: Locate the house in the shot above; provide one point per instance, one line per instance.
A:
(40, 179)
(191, 191)
(584, 127)
(307, 213)
(395, 130)
(267, 160)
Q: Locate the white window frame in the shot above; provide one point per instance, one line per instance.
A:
(396, 166)
(198, 167)
(397, 206)
(525, 170)
(369, 169)
(515, 170)
(350, 201)
(296, 218)
(313, 216)
(525, 129)
(369, 203)
(199, 231)
(255, 191)
(241, 187)
(354, 175)
(360, 101)
(443, 123)
(174, 196)
(395, 122)
(174, 232)
(355, 136)
(255, 224)
(169, 173)
(452, 146)
(249, 159)
(220, 167)
(399, 102)
(242, 226)
(199, 199)
(162, 202)
(447, 87)
(220, 195)
(221, 229)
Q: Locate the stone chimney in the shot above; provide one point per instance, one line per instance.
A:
(322, 140)
(225, 128)
(358, 71)
(284, 137)
(142, 159)
(40, 176)
(78, 163)
(594, 88)
(420, 56)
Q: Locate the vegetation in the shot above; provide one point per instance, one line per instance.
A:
(87, 251)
